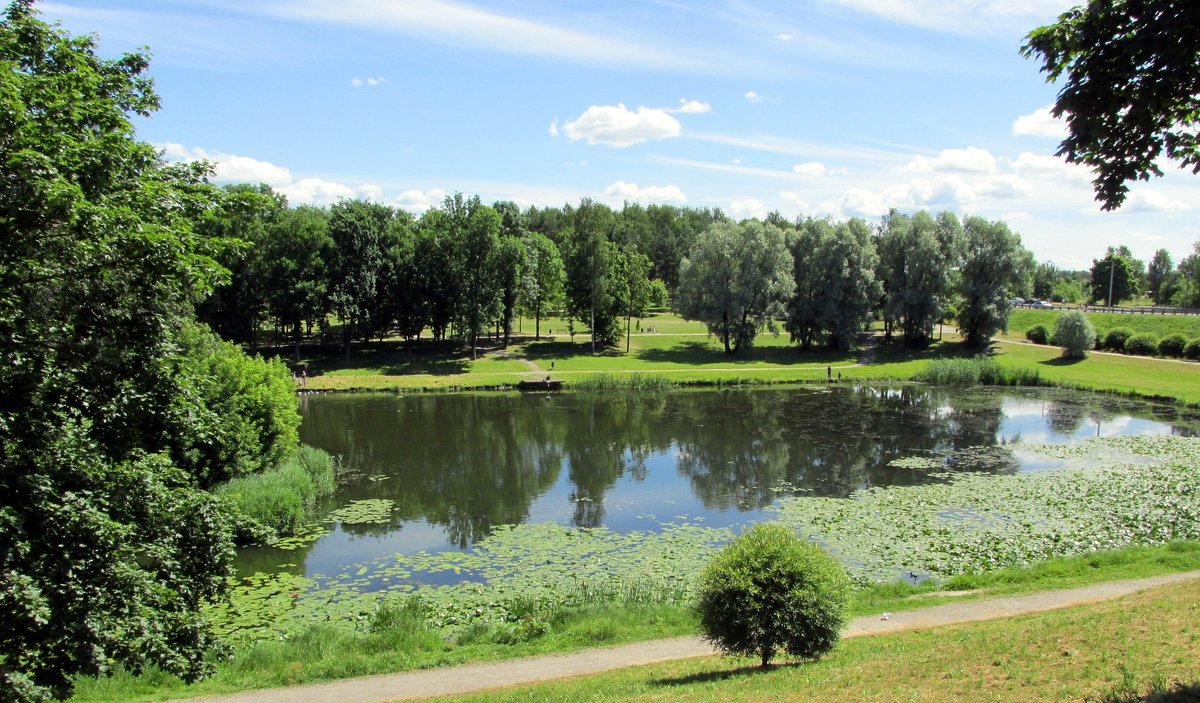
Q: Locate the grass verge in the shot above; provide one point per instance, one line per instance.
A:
(1110, 651)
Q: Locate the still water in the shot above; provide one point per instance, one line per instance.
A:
(457, 465)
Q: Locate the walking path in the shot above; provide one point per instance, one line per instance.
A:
(480, 677)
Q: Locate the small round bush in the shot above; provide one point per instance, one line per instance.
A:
(1172, 345)
(1037, 334)
(1141, 345)
(767, 590)
(1074, 333)
(1192, 350)
(1116, 338)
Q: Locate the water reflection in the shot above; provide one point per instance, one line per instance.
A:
(458, 465)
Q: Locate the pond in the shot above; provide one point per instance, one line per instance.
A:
(444, 471)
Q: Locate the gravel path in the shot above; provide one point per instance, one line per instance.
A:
(479, 677)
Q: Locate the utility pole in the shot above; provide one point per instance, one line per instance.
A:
(1112, 269)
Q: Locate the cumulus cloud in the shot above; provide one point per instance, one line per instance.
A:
(747, 207)
(811, 168)
(753, 96)
(418, 201)
(691, 107)
(972, 160)
(1035, 165)
(794, 198)
(1040, 123)
(617, 125)
(785, 36)
(231, 168)
(360, 82)
(553, 130)
(1152, 201)
(940, 192)
(315, 191)
(622, 191)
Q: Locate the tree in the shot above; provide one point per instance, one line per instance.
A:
(633, 269)
(1158, 277)
(1120, 272)
(990, 265)
(296, 250)
(1074, 333)
(736, 280)
(770, 590)
(1132, 90)
(590, 261)
(1045, 276)
(918, 260)
(475, 232)
(359, 232)
(542, 285)
(108, 549)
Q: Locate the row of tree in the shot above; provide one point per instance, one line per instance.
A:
(467, 269)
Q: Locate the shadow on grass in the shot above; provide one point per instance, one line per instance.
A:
(740, 672)
(1179, 693)
(396, 359)
(697, 352)
(1061, 361)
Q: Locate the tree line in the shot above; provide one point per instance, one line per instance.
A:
(465, 270)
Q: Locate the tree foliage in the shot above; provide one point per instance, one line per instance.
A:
(1120, 271)
(108, 547)
(1132, 89)
(769, 590)
(836, 289)
(918, 259)
(989, 271)
(736, 280)
(1074, 333)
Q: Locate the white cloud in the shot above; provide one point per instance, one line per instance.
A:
(315, 191)
(418, 201)
(1152, 201)
(553, 131)
(1040, 123)
(785, 36)
(622, 191)
(747, 207)
(231, 168)
(1037, 165)
(753, 96)
(811, 168)
(616, 125)
(795, 199)
(360, 82)
(971, 160)
(691, 107)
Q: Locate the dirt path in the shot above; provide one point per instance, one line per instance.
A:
(480, 677)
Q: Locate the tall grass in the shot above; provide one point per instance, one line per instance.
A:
(283, 499)
(623, 382)
(980, 370)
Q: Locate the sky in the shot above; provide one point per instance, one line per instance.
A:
(813, 108)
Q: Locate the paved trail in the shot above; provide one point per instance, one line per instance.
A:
(480, 677)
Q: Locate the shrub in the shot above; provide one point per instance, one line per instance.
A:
(1172, 345)
(978, 370)
(1192, 350)
(283, 498)
(1116, 338)
(1074, 333)
(1141, 345)
(1037, 334)
(768, 590)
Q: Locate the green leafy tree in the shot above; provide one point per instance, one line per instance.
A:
(635, 291)
(296, 250)
(769, 590)
(918, 262)
(1117, 270)
(359, 232)
(736, 280)
(237, 308)
(836, 288)
(435, 278)
(1045, 276)
(592, 285)
(475, 231)
(990, 265)
(108, 549)
(1074, 333)
(1132, 88)
(542, 285)
(1158, 277)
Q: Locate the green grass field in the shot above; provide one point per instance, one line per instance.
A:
(688, 356)
(1157, 325)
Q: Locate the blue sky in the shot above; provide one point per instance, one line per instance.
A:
(834, 108)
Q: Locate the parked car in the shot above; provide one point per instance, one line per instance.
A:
(1041, 305)
(1017, 301)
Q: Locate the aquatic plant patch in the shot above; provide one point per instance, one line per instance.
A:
(372, 511)
(1108, 493)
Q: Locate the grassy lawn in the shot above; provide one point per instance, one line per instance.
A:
(1116, 650)
(1158, 325)
(683, 353)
